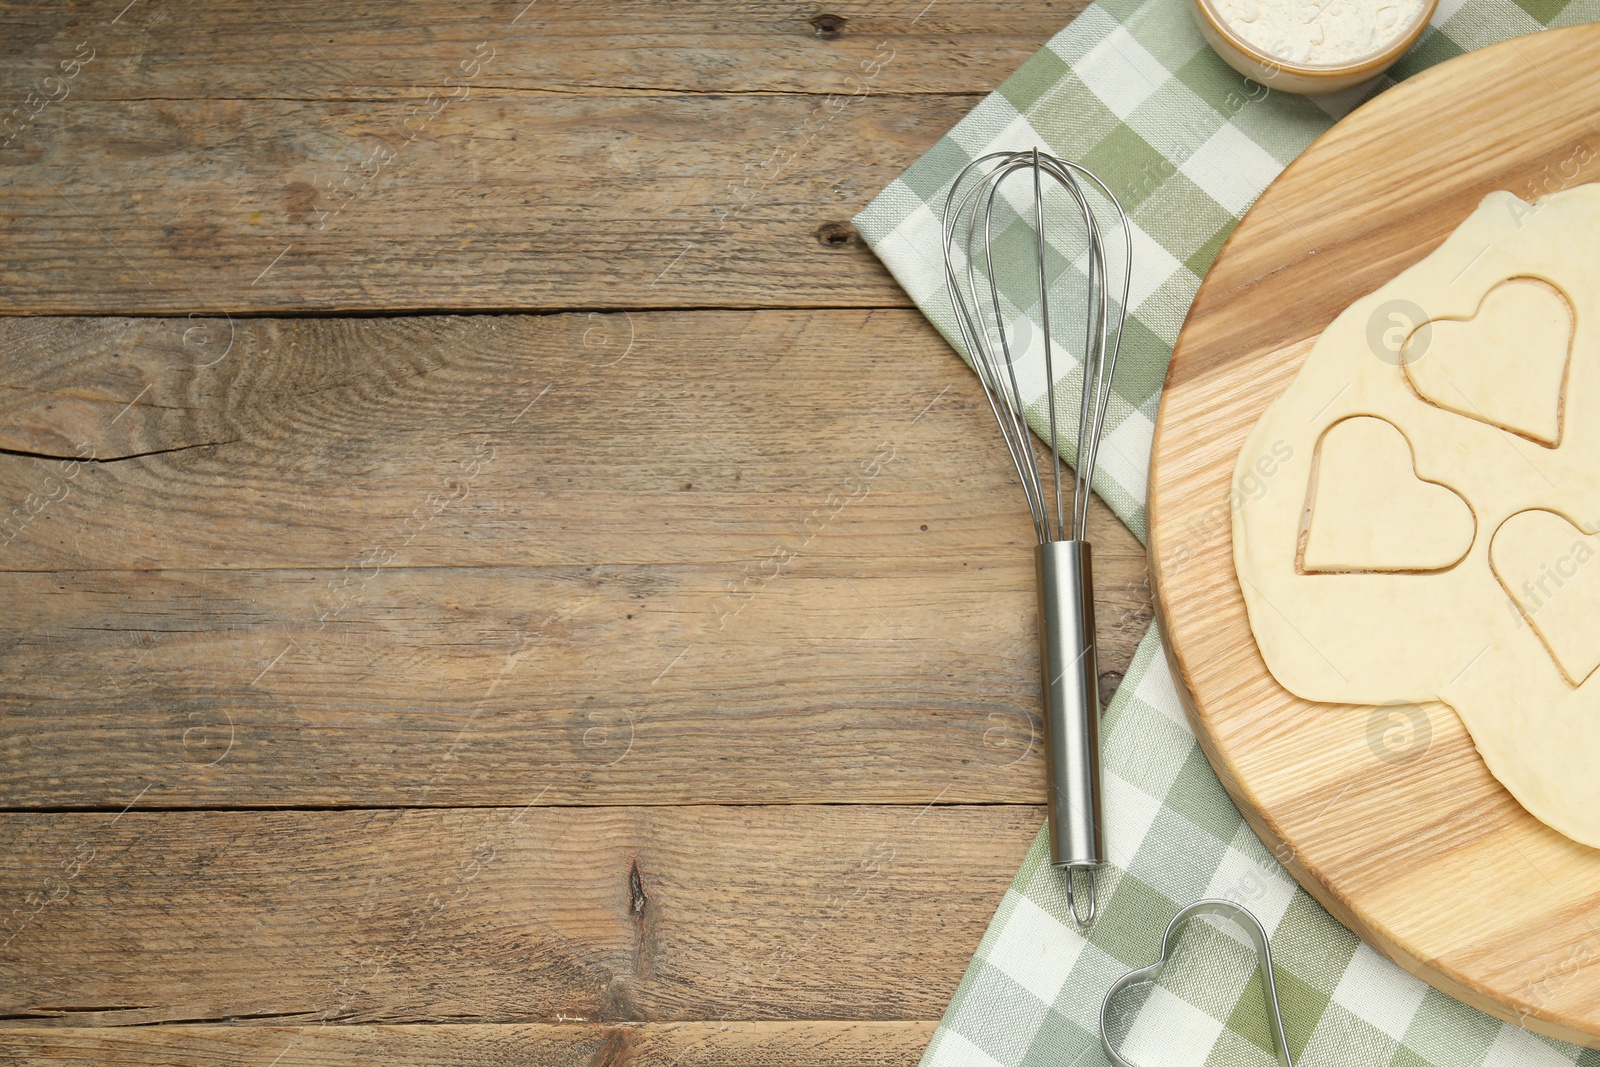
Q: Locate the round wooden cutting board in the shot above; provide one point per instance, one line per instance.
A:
(1392, 822)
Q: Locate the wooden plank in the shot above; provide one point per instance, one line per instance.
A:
(498, 203)
(701, 1044)
(684, 574)
(317, 50)
(693, 1044)
(509, 915)
(1420, 851)
(488, 685)
(577, 438)
(554, 440)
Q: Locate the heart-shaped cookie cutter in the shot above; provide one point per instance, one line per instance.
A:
(1258, 935)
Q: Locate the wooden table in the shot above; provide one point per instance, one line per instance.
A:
(485, 543)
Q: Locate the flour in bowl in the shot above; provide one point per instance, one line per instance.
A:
(1319, 32)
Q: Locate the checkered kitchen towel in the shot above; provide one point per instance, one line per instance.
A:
(1132, 91)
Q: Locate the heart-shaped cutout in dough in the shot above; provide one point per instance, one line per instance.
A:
(1548, 566)
(1506, 365)
(1370, 511)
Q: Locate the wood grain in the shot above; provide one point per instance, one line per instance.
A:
(505, 203)
(1429, 860)
(308, 158)
(631, 582)
(634, 437)
(534, 914)
(301, 49)
(695, 1044)
(663, 575)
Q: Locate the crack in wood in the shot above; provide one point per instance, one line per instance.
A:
(23, 454)
(48, 1011)
(638, 901)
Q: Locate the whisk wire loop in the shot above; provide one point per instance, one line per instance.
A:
(968, 229)
(969, 322)
(1044, 314)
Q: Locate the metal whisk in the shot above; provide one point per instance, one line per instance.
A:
(1066, 597)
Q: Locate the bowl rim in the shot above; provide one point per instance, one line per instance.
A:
(1375, 63)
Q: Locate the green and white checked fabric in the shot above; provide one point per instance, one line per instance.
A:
(1131, 90)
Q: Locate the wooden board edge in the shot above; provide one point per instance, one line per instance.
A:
(1433, 972)
(1284, 852)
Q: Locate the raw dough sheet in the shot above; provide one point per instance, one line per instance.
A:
(1431, 536)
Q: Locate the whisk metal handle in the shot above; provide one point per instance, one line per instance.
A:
(1071, 704)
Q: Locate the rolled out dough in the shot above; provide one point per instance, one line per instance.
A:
(1502, 621)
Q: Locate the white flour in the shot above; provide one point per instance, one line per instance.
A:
(1319, 32)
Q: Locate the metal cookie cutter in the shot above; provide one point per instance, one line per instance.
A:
(1258, 935)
